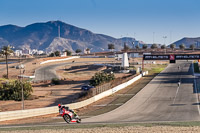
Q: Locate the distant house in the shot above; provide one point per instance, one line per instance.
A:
(18, 52)
(64, 54)
(86, 51)
(26, 51)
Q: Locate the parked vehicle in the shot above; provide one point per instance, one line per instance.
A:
(68, 115)
(86, 87)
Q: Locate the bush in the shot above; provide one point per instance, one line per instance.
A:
(13, 90)
(55, 81)
(101, 77)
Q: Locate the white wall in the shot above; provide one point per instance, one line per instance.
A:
(69, 58)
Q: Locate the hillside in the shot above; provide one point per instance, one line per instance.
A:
(188, 41)
(44, 36)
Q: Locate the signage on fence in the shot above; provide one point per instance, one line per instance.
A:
(156, 57)
(172, 57)
(187, 57)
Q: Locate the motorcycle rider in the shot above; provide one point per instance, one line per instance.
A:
(179, 82)
(67, 108)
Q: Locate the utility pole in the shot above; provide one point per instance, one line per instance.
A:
(164, 39)
(21, 80)
(164, 43)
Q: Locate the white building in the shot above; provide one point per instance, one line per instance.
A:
(64, 54)
(26, 51)
(18, 52)
(40, 52)
(35, 51)
(86, 51)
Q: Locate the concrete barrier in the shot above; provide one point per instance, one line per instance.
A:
(19, 114)
(69, 58)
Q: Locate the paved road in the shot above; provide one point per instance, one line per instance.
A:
(160, 100)
(48, 72)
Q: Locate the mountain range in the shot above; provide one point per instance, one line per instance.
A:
(47, 36)
(188, 41)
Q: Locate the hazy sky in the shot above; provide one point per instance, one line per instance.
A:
(146, 20)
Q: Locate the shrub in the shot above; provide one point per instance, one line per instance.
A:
(101, 77)
(13, 90)
(55, 81)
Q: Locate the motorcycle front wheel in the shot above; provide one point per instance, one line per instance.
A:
(67, 118)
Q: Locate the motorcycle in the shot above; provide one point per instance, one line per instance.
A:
(69, 116)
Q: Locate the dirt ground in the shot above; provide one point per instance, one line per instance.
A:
(126, 129)
(46, 95)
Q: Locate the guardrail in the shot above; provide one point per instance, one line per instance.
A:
(19, 114)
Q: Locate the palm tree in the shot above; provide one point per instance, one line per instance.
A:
(172, 46)
(6, 50)
(126, 47)
(192, 46)
(144, 46)
(163, 46)
(154, 46)
(182, 46)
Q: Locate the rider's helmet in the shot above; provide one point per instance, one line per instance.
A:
(59, 106)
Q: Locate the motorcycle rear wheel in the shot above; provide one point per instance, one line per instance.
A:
(67, 118)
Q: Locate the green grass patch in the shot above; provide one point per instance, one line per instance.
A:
(157, 69)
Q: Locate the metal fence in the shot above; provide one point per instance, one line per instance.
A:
(101, 88)
(106, 86)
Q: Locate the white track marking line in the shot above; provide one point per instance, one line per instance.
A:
(176, 94)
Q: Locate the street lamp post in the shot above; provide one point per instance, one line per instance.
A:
(164, 43)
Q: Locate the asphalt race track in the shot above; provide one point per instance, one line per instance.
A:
(161, 100)
(48, 72)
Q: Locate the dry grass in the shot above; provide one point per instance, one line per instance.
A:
(128, 129)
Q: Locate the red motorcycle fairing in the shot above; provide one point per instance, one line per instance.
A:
(64, 112)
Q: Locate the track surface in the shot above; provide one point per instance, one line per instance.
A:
(48, 72)
(160, 100)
